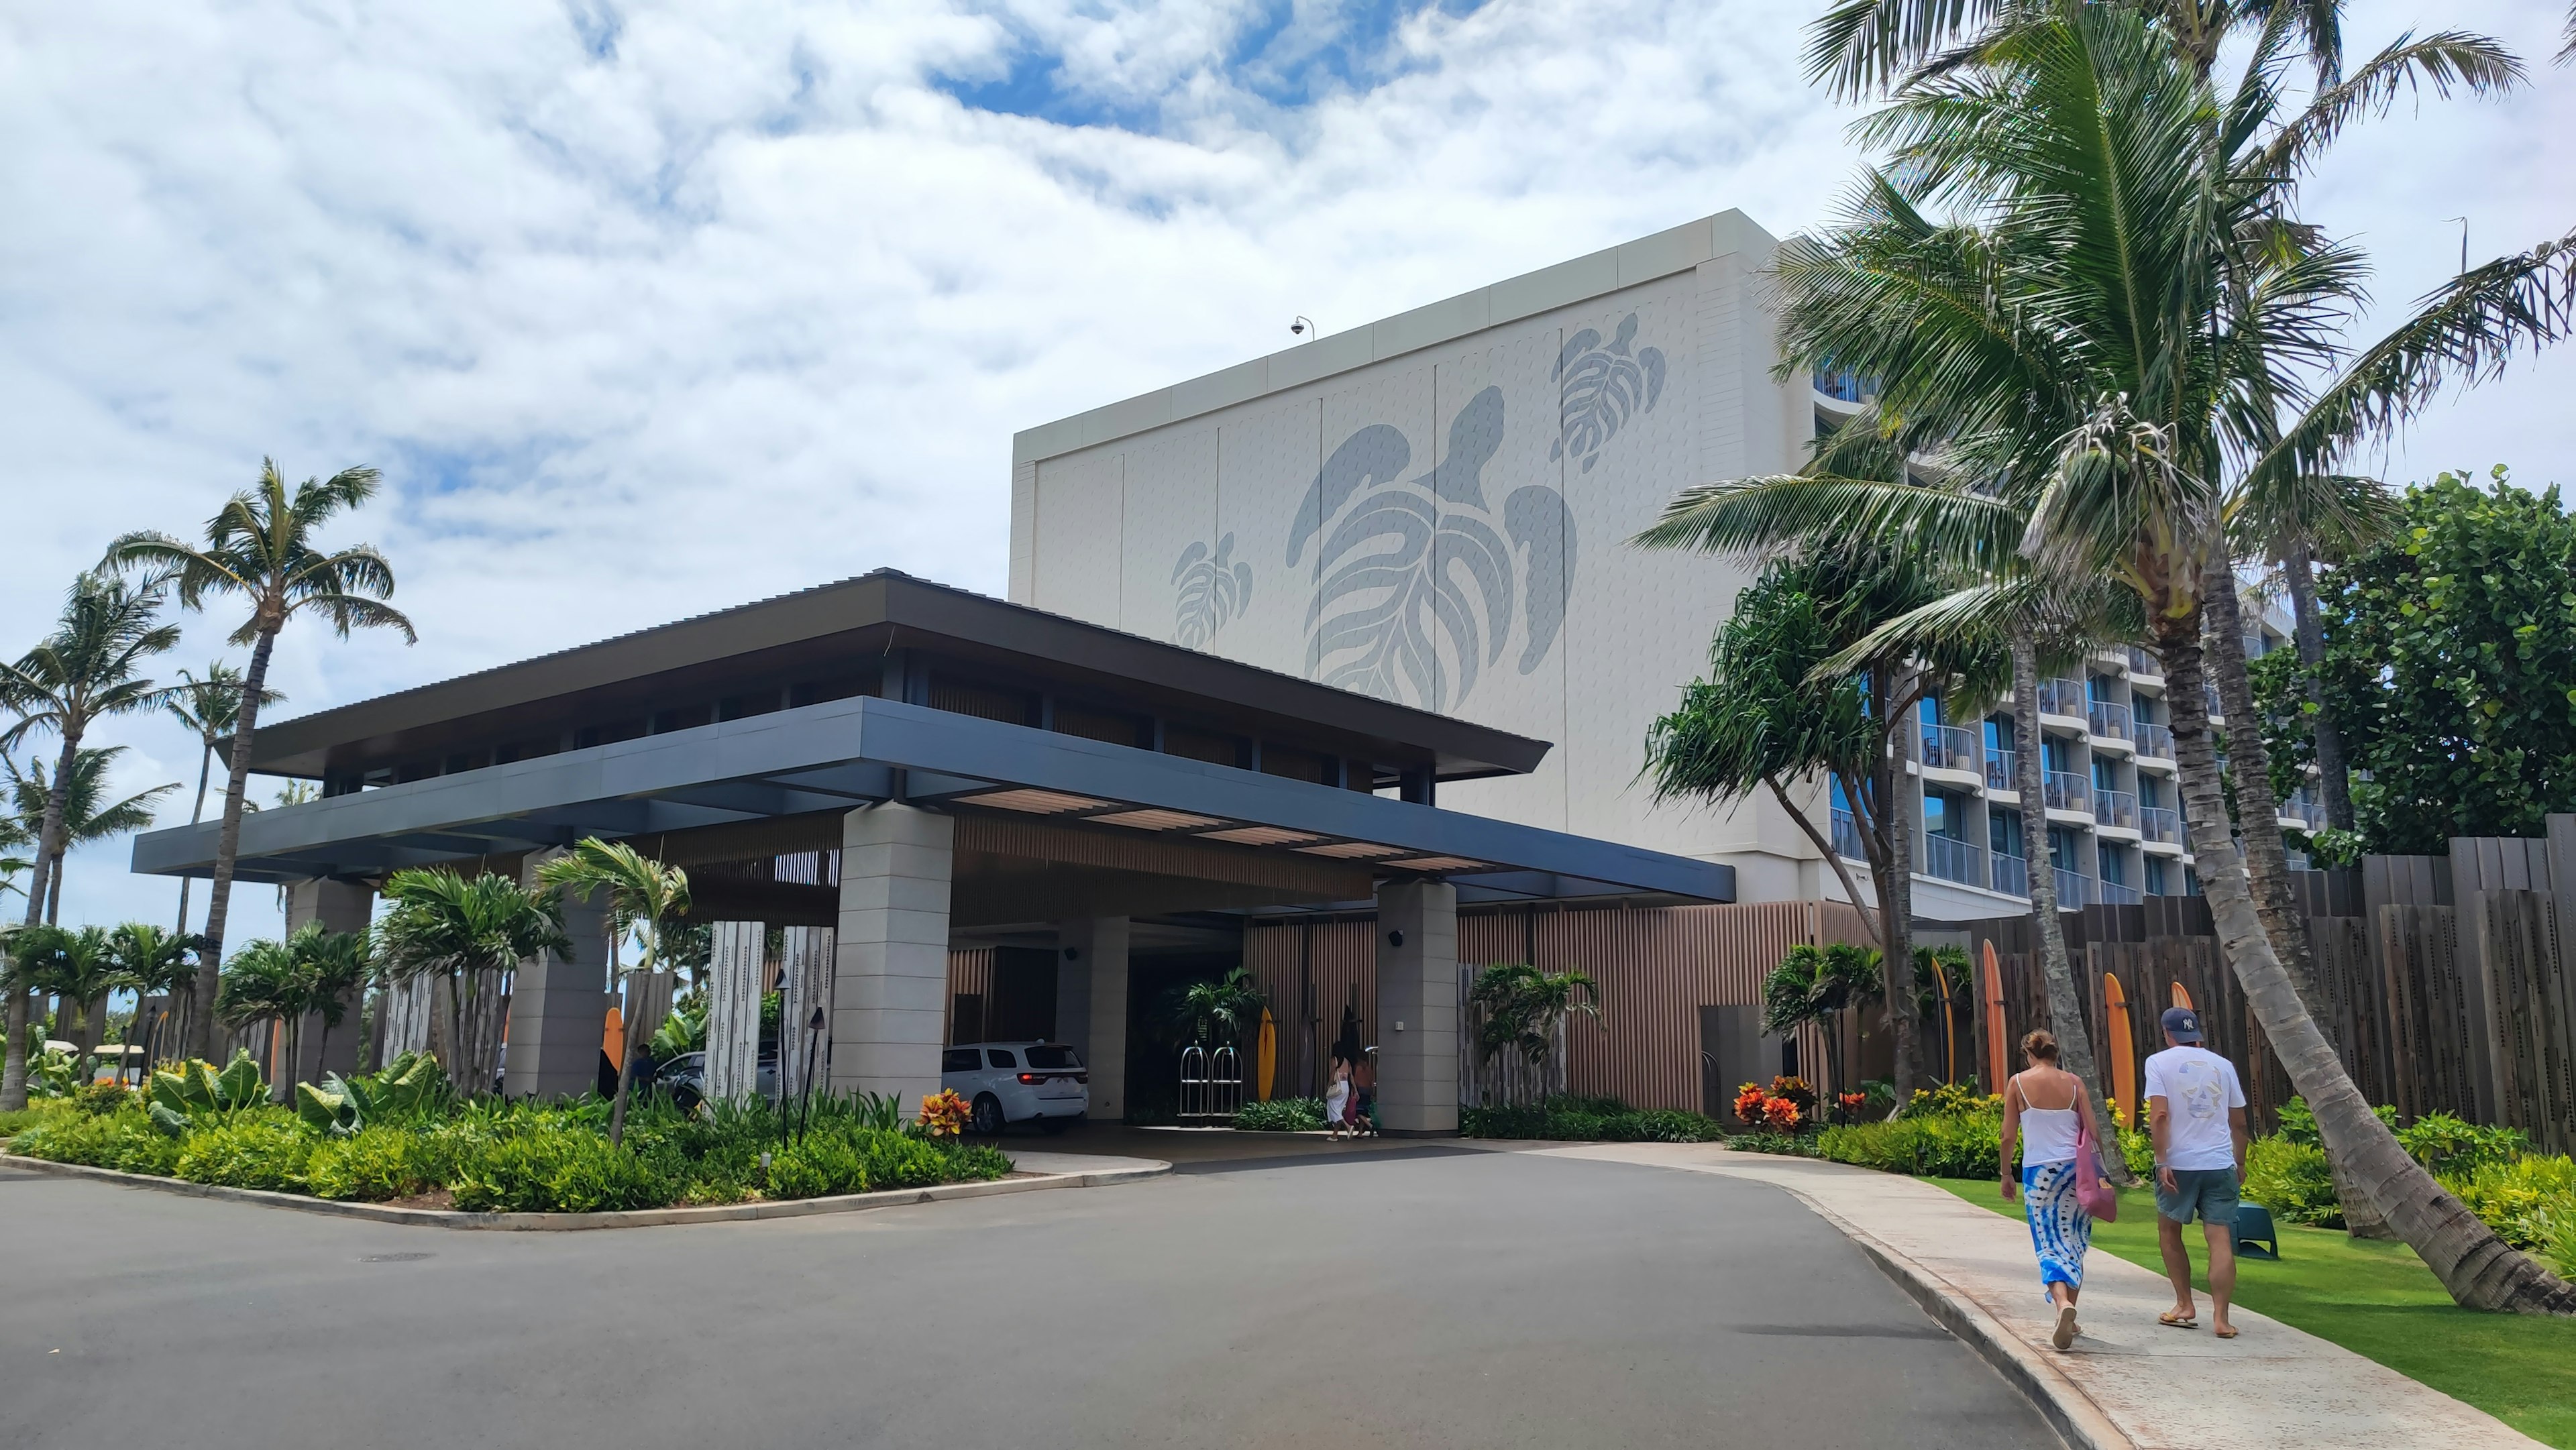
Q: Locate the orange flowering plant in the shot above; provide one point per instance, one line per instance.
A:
(1748, 1102)
(1852, 1104)
(1782, 1113)
(944, 1113)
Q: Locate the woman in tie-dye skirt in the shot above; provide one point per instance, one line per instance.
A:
(2042, 1107)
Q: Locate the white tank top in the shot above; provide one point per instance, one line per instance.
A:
(2047, 1134)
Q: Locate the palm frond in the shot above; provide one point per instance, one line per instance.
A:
(2446, 61)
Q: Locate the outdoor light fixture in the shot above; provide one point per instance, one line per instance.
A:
(1395, 938)
(1304, 325)
(1073, 954)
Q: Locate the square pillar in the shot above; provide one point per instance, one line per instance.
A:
(1091, 1005)
(804, 984)
(558, 1004)
(733, 1010)
(890, 953)
(340, 906)
(1417, 1008)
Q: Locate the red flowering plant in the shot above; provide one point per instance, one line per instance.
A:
(1782, 1114)
(1749, 1100)
(1852, 1103)
(1796, 1090)
(945, 1114)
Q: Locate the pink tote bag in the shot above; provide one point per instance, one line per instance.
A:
(2100, 1200)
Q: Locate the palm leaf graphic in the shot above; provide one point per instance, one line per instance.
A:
(1214, 588)
(1599, 388)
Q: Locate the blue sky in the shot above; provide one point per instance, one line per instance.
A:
(651, 308)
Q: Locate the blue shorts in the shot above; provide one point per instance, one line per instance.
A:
(2207, 1192)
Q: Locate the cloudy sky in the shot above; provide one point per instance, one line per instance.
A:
(647, 309)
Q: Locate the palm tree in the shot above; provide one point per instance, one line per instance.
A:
(329, 966)
(1818, 984)
(209, 708)
(466, 932)
(89, 669)
(644, 896)
(261, 984)
(79, 969)
(86, 818)
(260, 546)
(2152, 262)
(1524, 1008)
(151, 960)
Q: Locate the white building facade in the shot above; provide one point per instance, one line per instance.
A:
(1436, 508)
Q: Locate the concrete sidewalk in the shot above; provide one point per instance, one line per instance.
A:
(2127, 1381)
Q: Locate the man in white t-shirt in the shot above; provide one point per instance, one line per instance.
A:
(2196, 1113)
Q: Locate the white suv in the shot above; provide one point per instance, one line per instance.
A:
(1014, 1082)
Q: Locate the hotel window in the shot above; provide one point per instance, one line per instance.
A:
(2113, 864)
(1945, 814)
(2003, 832)
(2156, 874)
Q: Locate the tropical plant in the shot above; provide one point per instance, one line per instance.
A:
(1214, 588)
(465, 933)
(944, 1114)
(1217, 1010)
(262, 985)
(2100, 165)
(399, 1092)
(181, 1097)
(331, 967)
(261, 546)
(643, 896)
(89, 669)
(152, 961)
(1817, 985)
(209, 708)
(77, 967)
(87, 816)
(1523, 1010)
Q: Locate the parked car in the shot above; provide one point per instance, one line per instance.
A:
(1018, 1082)
(685, 1078)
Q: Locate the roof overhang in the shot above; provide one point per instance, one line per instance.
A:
(842, 754)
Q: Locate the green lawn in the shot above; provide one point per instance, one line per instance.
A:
(2379, 1300)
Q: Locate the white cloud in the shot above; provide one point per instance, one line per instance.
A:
(648, 309)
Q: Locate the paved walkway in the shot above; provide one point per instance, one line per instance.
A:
(2128, 1381)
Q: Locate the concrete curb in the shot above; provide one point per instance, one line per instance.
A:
(2068, 1410)
(567, 1222)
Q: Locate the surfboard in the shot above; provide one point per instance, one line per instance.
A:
(1265, 1060)
(1998, 1051)
(2124, 1050)
(2181, 998)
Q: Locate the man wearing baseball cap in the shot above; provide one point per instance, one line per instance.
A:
(2196, 1113)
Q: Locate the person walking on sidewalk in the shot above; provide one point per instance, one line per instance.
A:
(2196, 1112)
(2043, 1106)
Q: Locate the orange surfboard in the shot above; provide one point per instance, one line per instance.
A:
(2181, 998)
(2124, 1050)
(1998, 1051)
(1265, 1057)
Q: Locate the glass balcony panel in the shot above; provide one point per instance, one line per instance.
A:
(1841, 384)
(2061, 697)
(2067, 791)
(2107, 718)
(1952, 859)
(1846, 836)
(2003, 770)
(2160, 823)
(2143, 662)
(1951, 747)
(2115, 894)
(2155, 741)
(2116, 808)
(2012, 875)
(2070, 889)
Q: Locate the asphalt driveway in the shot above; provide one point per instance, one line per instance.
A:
(1454, 1298)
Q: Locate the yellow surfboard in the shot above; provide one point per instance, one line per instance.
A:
(1265, 1058)
(2124, 1050)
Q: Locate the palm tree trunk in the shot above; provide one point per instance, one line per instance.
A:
(49, 833)
(2334, 775)
(2267, 863)
(2479, 1269)
(205, 770)
(1899, 803)
(2057, 968)
(219, 891)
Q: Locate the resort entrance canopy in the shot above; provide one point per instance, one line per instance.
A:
(751, 731)
(895, 760)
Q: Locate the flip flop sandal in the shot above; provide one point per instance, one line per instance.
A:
(2171, 1320)
(2065, 1334)
(2224, 1333)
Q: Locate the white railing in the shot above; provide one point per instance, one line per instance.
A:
(2064, 790)
(2070, 888)
(2003, 769)
(1952, 859)
(2115, 808)
(2160, 823)
(2155, 741)
(2107, 718)
(2061, 697)
(2012, 875)
(1846, 836)
(1842, 385)
(2144, 662)
(2115, 894)
(1951, 747)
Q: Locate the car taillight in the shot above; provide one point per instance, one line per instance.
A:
(1033, 1077)
(1082, 1077)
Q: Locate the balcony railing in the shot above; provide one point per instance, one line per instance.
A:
(2160, 823)
(2061, 697)
(2304, 809)
(2012, 875)
(1952, 859)
(1843, 385)
(2070, 888)
(2154, 741)
(1846, 834)
(2064, 790)
(2003, 769)
(1952, 747)
(2115, 894)
(2107, 718)
(2144, 662)
(2115, 808)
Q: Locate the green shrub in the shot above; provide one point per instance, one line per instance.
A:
(1935, 1145)
(1282, 1115)
(977, 1162)
(2300, 1125)
(1786, 1145)
(378, 1162)
(2526, 1201)
(550, 1168)
(2450, 1148)
(896, 1160)
(124, 1141)
(1572, 1117)
(100, 1098)
(2291, 1179)
(819, 1165)
(37, 1111)
(247, 1150)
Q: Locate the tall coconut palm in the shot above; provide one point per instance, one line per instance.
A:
(466, 933)
(644, 896)
(210, 708)
(89, 669)
(152, 961)
(87, 815)
(262, 547)
(2157, 257)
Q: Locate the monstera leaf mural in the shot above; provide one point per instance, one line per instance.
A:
(1419, 590)
(1213, 589)
(1600, 388)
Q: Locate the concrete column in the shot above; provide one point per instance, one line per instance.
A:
(339, 906)
(733, 1009)
(559, 1005)
(890, 954)
(1417, 1008)
(1091, 1005)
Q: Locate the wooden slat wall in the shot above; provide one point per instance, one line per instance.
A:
(1310, 970)
(969, 973)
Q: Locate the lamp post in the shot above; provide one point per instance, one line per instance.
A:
(813, 1035)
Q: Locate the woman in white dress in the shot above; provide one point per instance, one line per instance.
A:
(2042, 1106)
(1337, 1097)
